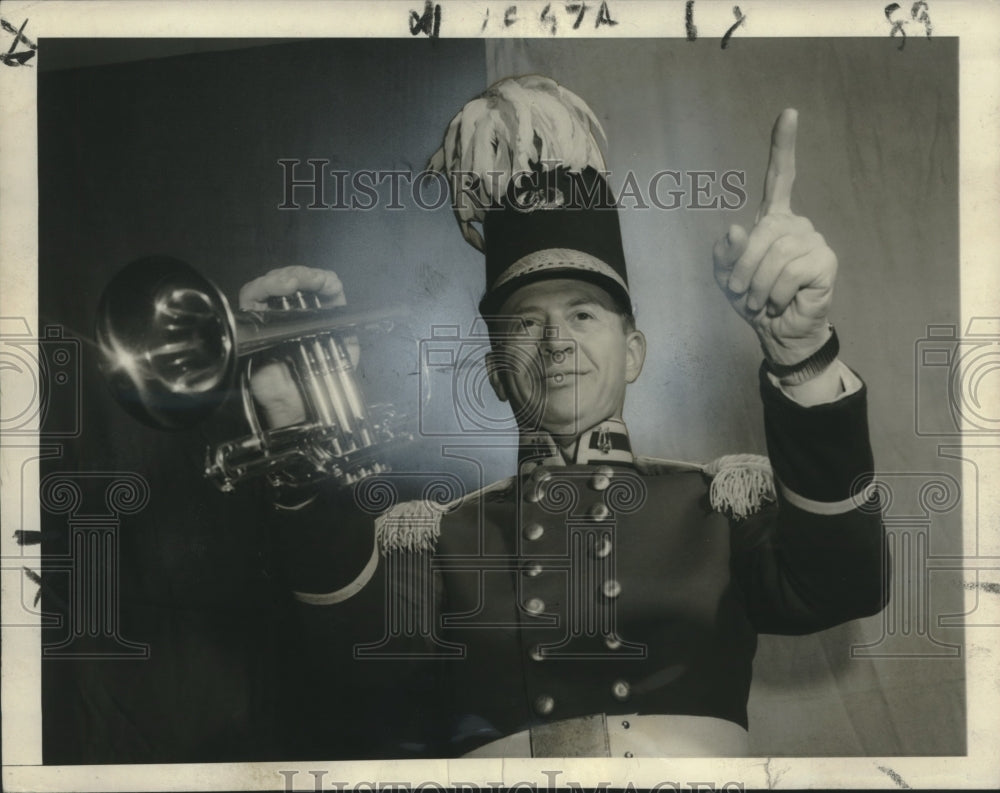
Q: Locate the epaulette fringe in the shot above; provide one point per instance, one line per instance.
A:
(416, 525)
(741, 484)
(410, 526)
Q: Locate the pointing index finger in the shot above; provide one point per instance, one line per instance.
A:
(781, 165)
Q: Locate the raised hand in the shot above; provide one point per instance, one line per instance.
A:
(780, 276)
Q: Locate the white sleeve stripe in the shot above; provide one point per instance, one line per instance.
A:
(345, 593)
(826, 507)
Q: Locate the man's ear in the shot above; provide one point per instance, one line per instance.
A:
(635, 355)
(493, 372)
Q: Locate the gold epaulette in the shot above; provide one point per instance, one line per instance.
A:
(410, 526)
(741, 484)
(416, 525)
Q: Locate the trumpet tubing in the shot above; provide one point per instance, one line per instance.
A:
(171, 348)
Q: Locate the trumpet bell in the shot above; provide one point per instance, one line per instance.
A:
(166, 338)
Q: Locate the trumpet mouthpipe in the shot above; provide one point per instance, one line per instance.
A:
(259, 330)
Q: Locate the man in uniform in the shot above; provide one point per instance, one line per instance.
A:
(595, 603)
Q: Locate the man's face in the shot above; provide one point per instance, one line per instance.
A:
(565, 358)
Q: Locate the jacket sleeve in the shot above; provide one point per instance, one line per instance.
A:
(370, 688)
(818, 556)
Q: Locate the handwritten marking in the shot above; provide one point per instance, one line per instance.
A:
(692, 30)
(546, 17)
(429, 23)
(572, 8)
(740, 19)
(604, 16)
(36, 579)
(990, 587)
(919, 12)
(900, 782)
(12, 58)
(18, 34)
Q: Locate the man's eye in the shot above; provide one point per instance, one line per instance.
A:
(583, 315)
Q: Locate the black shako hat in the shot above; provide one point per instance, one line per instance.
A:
(523, 160)
(554, 224)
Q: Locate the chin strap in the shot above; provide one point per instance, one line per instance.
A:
(741, 484)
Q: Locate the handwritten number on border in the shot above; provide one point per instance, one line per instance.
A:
(919, 12)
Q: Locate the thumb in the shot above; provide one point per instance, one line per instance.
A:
(727, 252)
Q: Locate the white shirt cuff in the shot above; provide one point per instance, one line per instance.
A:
(850, 383)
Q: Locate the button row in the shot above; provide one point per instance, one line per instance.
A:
(545, 704)
(536, 653)
(539, 480)
(610, 589)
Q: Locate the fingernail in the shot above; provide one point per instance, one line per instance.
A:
(735, 285)
(752, 304)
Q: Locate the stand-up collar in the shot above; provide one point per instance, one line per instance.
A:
(607, 442)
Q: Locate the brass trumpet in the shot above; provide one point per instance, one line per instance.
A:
(171, 348)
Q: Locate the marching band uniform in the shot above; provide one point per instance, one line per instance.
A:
(615, 585)
(604, 605)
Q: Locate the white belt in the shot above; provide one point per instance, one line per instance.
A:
(624, 736)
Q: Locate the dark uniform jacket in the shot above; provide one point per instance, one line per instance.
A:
(613, 585)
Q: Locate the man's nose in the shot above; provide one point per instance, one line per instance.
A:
(556, 342)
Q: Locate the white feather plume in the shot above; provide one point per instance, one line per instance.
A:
(517, 122)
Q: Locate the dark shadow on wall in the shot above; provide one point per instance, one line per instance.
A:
(178, 156)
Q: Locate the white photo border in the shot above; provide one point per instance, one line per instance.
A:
(976, 24)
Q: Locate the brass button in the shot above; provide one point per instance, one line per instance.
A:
(602, 548)
(611, 588)
(620, 691)
(538, 482)
(544, 705)
(602, 477)
(599, 511)
(625, 725)
(629, 754)
(533, 531)
(535, 606)
(536, 653)
(532, 570)
(534, 487)
(612, 643)
(532, 494)
(541, 476)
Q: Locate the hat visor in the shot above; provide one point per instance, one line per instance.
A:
(556, 263)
